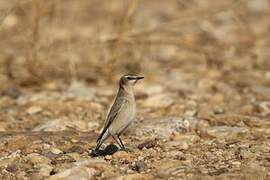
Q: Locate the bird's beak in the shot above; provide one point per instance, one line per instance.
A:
(139, 77)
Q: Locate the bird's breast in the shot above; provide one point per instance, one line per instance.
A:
(130, 110)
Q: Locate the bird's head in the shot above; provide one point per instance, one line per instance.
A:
(129, 80)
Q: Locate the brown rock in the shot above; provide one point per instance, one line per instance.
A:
(108, 157)
(181, 145)
(122, 156)
(148, 144)
(77, 149)
(247, 109)
(189, 138)
(137, 177)
(62, 159)
(42, 163)
(164, 167)
(77, 172)
(140, 166)
(12, 168)
(226, 132)
(216, 99)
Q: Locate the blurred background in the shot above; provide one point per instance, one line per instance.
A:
(95, 41)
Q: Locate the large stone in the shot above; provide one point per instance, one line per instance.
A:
(164, 127)
(226, 132)
(180, 145)
(148, 144)
(36, 158)
(79, 172)
(140, 166)
(136, 176)
(189, 138)
(168, 168)
(83, 170)
(123, 156)
(42, 163)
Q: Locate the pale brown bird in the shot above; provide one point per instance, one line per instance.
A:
(122, 112)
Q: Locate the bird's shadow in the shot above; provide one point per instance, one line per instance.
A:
(109, 150)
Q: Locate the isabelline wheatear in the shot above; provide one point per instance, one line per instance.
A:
(122, 112)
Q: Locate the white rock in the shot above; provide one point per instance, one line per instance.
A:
(163, 128)
(34, 110)
(78, 172)
(10, 21)
(56, 151)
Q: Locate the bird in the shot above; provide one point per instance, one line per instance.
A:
(122, 112)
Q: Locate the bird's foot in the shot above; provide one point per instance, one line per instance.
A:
(95, 152)
(109, 150)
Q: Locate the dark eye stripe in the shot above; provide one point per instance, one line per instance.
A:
(130, 78)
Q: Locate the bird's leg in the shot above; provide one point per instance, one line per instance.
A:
(122, 144)
(115, 138)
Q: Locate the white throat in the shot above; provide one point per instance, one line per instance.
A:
(129, 89)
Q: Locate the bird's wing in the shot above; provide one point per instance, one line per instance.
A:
(114, 111)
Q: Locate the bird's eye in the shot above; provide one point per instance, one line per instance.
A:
(129, 78)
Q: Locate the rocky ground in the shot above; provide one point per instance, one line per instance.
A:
(203, 107)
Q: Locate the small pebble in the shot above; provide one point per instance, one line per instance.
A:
(140, 166)
(108, 157)
(56, 151)
(148, 144)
